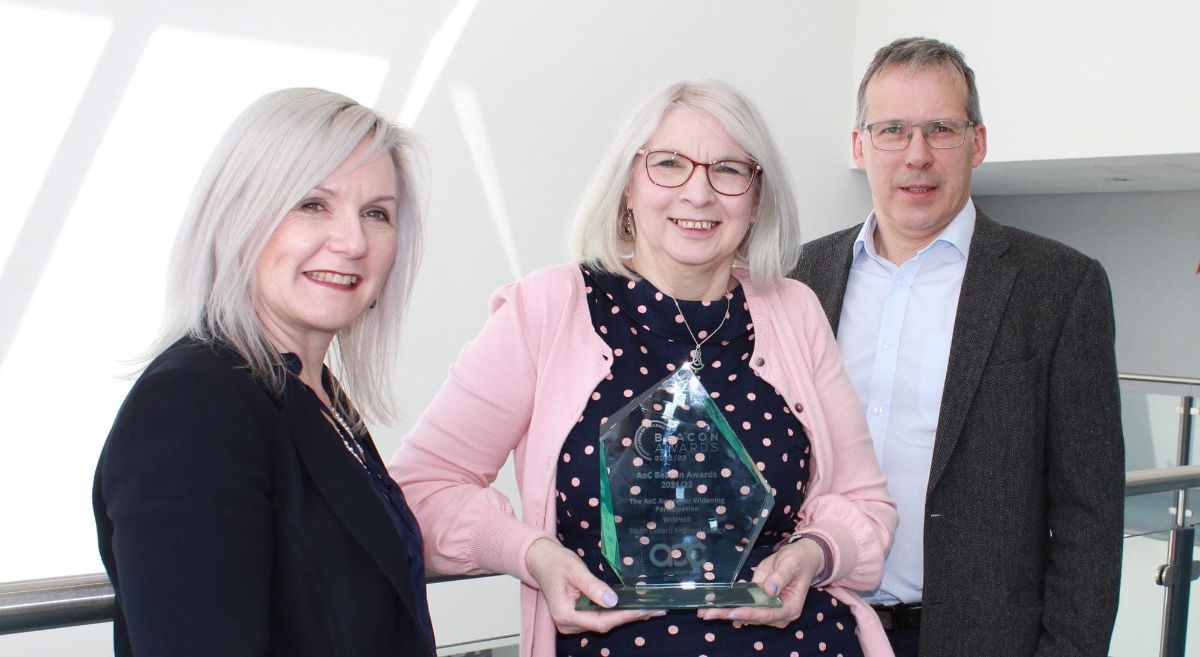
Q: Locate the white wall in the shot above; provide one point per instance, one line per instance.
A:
(1063, 79)
(111, 132)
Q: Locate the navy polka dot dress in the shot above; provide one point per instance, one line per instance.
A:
(650, 340)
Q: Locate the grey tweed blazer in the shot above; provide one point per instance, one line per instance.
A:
(1026, 488)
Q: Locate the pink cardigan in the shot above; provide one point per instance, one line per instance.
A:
(520, 386)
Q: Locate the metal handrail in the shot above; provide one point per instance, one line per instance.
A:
(46, 604)
(1154, 378)
(43, 604)
(1158, 480)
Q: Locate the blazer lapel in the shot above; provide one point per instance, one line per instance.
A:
(829, 272)
(340, 480)
(986, 286)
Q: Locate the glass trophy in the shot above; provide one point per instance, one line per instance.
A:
(681, 502)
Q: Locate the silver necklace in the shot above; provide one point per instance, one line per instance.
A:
(697, 360)
(342, 427)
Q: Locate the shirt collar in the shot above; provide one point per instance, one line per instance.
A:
(957, 234)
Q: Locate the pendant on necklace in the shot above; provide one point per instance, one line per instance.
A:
(697, 363)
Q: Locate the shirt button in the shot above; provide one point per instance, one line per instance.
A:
(877, 410)
(799, 408)
(759, 362)
(887, 344)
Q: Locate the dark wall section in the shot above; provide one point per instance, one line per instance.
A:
(1149, 242)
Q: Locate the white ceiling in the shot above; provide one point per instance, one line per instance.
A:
(1142, 173)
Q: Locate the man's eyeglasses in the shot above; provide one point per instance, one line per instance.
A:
(727, 177)
(939, 133)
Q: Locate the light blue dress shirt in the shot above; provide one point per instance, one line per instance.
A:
(894, 334)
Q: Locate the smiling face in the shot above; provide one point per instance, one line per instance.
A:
(919, 190)
(688, 233)
(329, 258)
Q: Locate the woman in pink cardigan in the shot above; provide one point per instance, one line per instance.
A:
(682, 243)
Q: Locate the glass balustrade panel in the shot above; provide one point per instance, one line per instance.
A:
(1138, 629)
(1150, 420)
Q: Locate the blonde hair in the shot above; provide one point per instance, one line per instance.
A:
(280, 148)
(772, 245)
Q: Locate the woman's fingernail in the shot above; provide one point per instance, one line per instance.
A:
(773, 588)
(609, 599)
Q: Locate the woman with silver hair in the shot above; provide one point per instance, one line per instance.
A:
(241, 506)
(681, 246)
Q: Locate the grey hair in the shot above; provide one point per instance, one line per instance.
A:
(772, 245)
(273, 155)
(916, 54)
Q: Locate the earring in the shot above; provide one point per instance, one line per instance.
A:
(628, 230)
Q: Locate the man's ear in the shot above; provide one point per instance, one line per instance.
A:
(980, 145)
(856, 147)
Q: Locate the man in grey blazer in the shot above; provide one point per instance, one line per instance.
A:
(984, 359)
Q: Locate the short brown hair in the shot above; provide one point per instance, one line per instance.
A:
(915, 54)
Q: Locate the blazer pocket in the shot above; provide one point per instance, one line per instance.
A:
(1005, 411)
(1013, 379)
(1011, 367)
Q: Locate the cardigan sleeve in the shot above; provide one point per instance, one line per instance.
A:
(183, 502)
(448, 463)
(852, 510)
